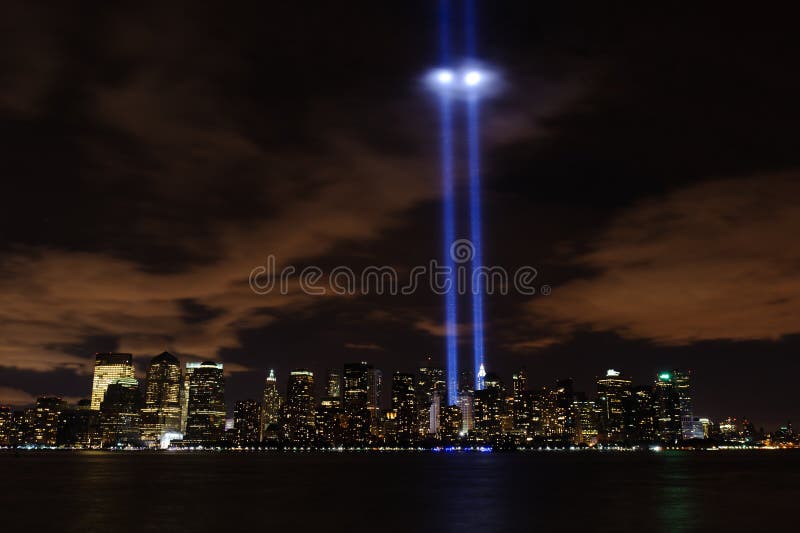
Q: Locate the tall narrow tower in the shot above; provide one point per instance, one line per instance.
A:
(270, 404)
(162, 399)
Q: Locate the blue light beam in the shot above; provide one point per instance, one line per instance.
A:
(448, 212)
(473, 79)
(473, 147)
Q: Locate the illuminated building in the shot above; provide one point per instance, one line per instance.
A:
(45, 420)
(430, 380)
(519, 413)
(639, 415)
(404, 400)
(80, 426)
(334, 384)
(706, 426)
(120, 419)
(205, 418)
(784, 435)
(329, 422)
(565, 397)
(584, 412)
(613, 391)
(6, 425)
(108, 367)
(683, 385)
(355, 401)
(389, 425)
(736, 430)
(450, 429)
(488, 408)
(300, 422)
(480, 380)
(667, 409)
(519, 382)
(434, 413)
(162, 399)
(247, 422)
(465, 404)
(22, 432)
(431, 387)
(374, 391)
(270, 404)
(551, 417)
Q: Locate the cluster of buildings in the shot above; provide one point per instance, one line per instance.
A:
(185, 407)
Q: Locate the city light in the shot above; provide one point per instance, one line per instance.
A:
(444, 77)
(472, 78)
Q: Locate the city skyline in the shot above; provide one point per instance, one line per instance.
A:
(356, 405)
(281, 385)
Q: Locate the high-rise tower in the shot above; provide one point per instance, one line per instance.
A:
(270, 404)
(109, 367)
(162, 398)
(300, 420)
(205, 422)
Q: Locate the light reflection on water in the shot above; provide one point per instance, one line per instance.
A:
(447, 492)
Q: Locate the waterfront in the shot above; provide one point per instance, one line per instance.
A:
(542, 491)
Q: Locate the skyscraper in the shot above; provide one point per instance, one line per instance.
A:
(120, 419)
(613, 390)
(334, 384)
(300, 419)
(639, 417)
(374, 392)
(247, 422)
(667, 408)
(355, 402)
(45, 420)
(206, 403)
(109, 367)
(488, 407)
(329, 429)
(431, 389)
(404, 405)
(6, 425)
(465, 405)
(683, 386)
(79, 426)
(162, 399)
(270, 404)
(519, 384)
(584, 414)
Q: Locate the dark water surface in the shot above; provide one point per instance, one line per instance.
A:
(274, 492)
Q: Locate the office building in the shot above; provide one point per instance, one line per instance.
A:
(6, 426)
(270, 406)
(247, 422)
(299, 413)
(162, 399)
(356, 400)
(404, 404)
(109, 367)
(205, 423)
(667, 409)
(333, 387)
(613, 391)
(120, 418)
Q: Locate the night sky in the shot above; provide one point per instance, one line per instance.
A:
(643, 158)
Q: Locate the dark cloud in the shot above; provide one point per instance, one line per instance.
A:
(707, 262)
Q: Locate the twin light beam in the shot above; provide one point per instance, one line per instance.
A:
(463, 84)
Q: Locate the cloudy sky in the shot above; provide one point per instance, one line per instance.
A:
(645, 162)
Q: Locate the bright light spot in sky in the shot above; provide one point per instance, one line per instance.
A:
(472, 78)
(444, 77)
